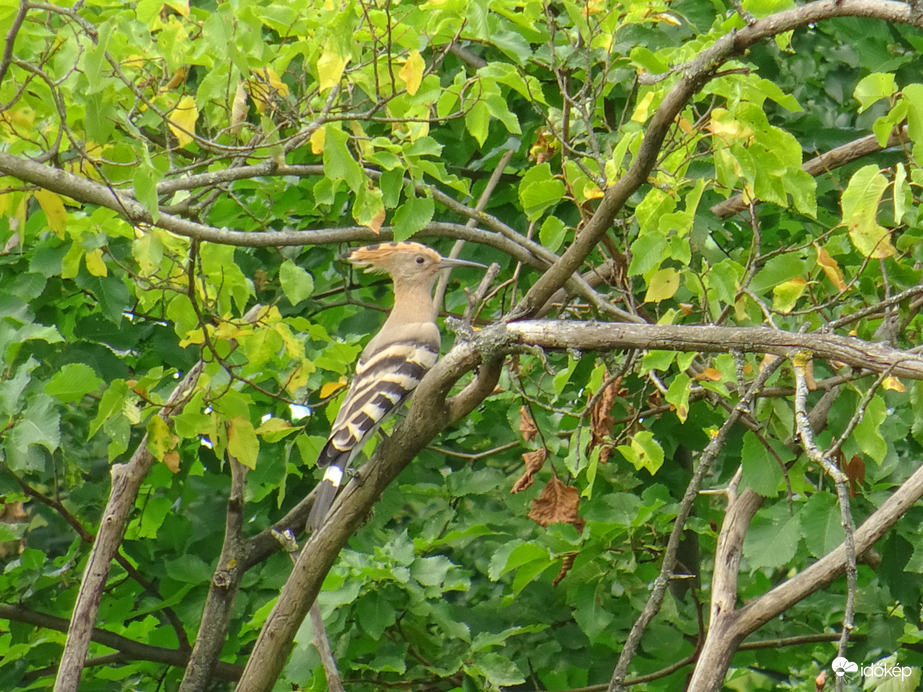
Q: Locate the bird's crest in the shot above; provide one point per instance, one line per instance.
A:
(375, 257)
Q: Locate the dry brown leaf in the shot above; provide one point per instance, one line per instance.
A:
(534, 462)
(565, 568)
(527, 427)
(171, 460)
(601, 420)
(809, 376)
(855, 472)
(557, 504)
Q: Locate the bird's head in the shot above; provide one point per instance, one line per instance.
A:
(406, 262)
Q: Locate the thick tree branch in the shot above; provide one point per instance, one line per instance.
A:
(90, 192)
(734, 626)
(602, 336)
(226, 580)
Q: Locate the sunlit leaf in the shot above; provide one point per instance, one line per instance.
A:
(412, 72)
(183, 120)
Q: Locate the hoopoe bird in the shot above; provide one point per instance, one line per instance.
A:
(392, 364)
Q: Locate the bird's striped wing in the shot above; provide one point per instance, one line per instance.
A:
(383, 381)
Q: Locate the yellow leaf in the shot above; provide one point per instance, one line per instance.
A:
(643, 108)
(159, 438)
(317, 140)
(183, 120)
(710, 374)
(667, 18)
(723, 126)
(872, 240)
(330, 388)
(243, 443)
(95, 264)
(787, 293)
(831, 268)
(55, 212)
(178, 78)
(180, 6)
(299, 376)
(238, 109)
(662, 285)
(330, 68)
(171, 461)
(412, 72)
(894, 384)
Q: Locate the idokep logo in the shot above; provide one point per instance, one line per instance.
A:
(841, 666)
(881, 669)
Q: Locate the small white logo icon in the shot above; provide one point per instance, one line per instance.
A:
(841, 666)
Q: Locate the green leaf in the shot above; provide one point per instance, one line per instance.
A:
(376, 614)
(145, 179)
(644, 452)
(477, 119)
(412, 216)
(243, 442)
(39, 425)
(822, 524)
(515, 554)
(773, 537)
(867, 433)
(339, 163)
(860, 213)
(111, 403)
(787, 293)
(297, 284)
(873, 88)
(538, 191)
(762, 471)
(552, 233)
(72, 382)
(678, 395)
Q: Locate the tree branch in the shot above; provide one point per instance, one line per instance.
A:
(611, 336)
(219, 605)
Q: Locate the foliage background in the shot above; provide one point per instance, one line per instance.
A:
(251, 140)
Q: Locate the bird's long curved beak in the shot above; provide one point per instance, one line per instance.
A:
(449, 263)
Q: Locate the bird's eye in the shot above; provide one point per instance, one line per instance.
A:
(420, 259)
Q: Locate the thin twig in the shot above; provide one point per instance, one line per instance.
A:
(806, 433)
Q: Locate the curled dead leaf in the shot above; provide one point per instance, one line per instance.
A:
(565, 568)
(527, 427)
(558, 504)
(601, 420)
(534, 462)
